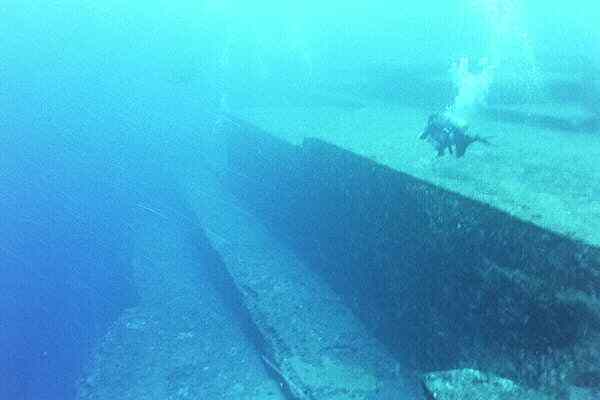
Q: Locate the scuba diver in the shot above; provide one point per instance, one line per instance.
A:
(444, 133)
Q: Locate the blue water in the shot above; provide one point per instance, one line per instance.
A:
(64, 267)
(97, 96)
(74, 163)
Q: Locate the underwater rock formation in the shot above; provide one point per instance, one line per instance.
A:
(470, 384)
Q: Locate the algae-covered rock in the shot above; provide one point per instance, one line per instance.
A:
(330, 378)
(470, 384)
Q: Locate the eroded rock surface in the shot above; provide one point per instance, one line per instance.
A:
(470, 384)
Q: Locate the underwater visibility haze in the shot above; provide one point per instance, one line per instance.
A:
(204, 199)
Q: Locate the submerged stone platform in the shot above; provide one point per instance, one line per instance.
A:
(335, 272)
(312, 342)
(181, 340)
(442, 278)
(534, 169)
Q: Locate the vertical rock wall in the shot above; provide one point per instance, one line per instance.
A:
(441, 279)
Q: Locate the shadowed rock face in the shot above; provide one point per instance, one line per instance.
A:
(470, 384)
(424, 267)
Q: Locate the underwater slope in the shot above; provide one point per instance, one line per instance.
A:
(441, 279)
(180, 340)
(313, 343)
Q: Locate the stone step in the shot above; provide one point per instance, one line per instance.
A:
(180, 341)
(315, 345)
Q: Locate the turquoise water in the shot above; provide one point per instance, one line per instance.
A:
(103, 104)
